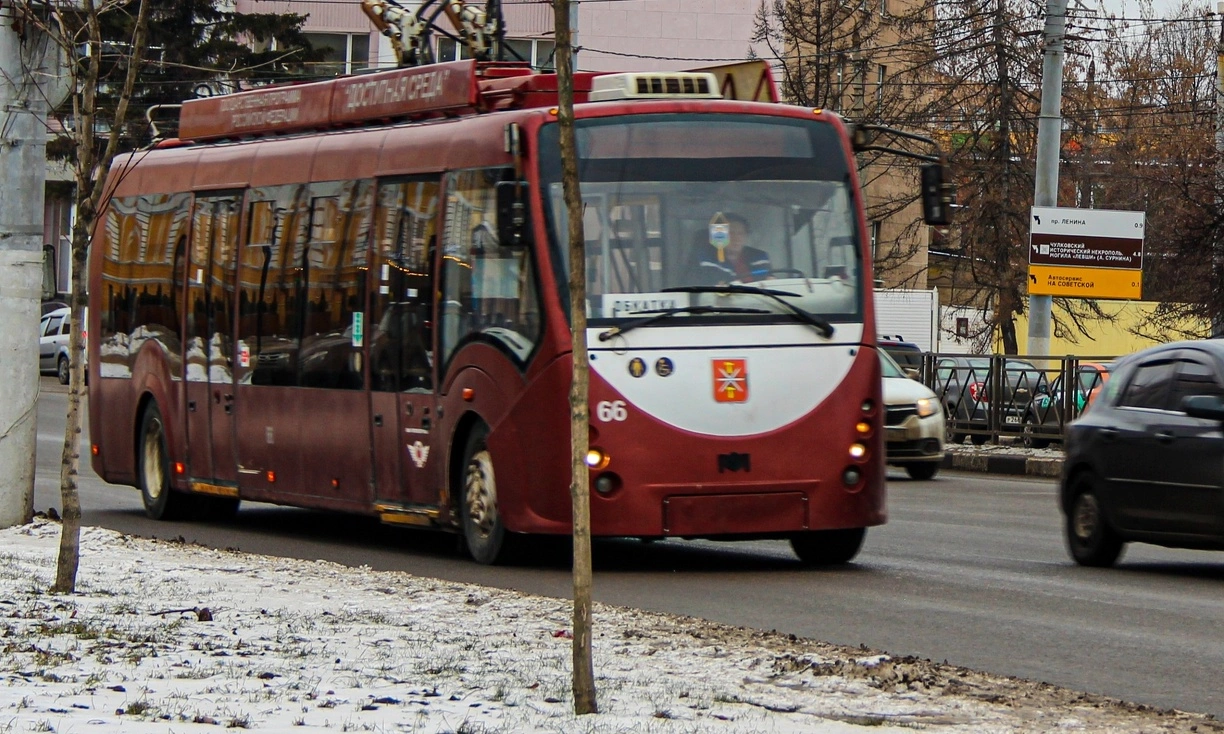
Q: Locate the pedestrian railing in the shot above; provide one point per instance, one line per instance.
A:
(1029, 398)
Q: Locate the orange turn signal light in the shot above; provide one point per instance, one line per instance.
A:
(271, 476)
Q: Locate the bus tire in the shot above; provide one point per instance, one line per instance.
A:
(483, 532)
(153, 460)
(827, 547)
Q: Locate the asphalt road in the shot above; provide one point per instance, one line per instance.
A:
(970, 569)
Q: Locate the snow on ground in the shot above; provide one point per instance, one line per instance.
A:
(1009, 447)
(169, 637)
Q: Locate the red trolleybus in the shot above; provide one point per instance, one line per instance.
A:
(352, 295)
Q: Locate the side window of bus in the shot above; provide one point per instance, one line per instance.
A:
(332, 272)
(489, 291)
(401, 306)
(269, 311)
(302, 282)
(141, 278)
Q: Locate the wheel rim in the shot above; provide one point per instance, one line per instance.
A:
(480, 494)
(152, 464)
(1087, 516)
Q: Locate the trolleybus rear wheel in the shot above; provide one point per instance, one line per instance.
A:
(483, 531)
(160, 502)
(828, 547)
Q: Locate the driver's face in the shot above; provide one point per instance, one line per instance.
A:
(737, 239)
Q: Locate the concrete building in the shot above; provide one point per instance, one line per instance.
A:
(627, 35)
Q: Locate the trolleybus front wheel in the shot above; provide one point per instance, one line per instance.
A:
(160, 502)
(827, 547)
(485, 536)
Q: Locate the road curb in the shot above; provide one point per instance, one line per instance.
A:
(1003, 464)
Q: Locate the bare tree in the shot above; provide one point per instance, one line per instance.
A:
(864, 59)
(580, 419)
(76, 28)
(1150, 147)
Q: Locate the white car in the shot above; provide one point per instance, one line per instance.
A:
(53, 344)
(913, 420)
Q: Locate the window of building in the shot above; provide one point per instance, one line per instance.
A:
(884, 8)
(875, 237)
(346, 53)
(881, 74)
(536, 51)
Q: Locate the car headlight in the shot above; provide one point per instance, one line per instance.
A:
(927, 406)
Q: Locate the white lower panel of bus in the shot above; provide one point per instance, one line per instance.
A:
(722, 380)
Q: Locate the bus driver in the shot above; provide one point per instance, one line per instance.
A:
(727, 257)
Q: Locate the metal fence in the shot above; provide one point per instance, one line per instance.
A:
(1030, 398)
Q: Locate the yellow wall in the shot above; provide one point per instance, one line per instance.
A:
(1110, 339)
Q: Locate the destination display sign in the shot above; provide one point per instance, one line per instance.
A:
(341, 101)
(1086, 253)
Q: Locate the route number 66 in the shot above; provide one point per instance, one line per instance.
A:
(611, 410)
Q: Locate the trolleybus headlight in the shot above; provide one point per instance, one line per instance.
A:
(858, 451)
(926, 407)
(851, 476)
(597, 459)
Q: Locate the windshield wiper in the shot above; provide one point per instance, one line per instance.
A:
(658, 314)
(820, 324)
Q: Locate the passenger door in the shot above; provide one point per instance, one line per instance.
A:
(209, 364)
(1130, 452)
(408, 458)
(1191, 455)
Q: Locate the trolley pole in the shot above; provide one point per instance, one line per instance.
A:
(23, 165)
(579, 397)
(1049, 143)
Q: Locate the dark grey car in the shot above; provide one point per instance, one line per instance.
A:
(963, 384)
(1146, 461)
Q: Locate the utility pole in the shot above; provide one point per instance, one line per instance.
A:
(1049, 144)
(23, 168)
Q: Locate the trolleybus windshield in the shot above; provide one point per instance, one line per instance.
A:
(683, 202)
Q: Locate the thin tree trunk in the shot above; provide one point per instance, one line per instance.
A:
(70, 459)
(90, 174)
(584, 667)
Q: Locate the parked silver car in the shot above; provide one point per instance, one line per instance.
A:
(53, 355)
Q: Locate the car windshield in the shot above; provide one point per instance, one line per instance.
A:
(888, 367)
(698, 201)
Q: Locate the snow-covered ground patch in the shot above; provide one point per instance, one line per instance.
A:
(1008, 447)
(168, 637)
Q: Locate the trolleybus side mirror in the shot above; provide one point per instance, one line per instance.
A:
(512, 230)
(938, 195)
